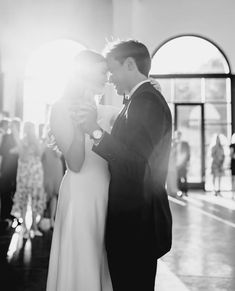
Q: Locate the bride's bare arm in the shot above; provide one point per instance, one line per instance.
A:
(69, 138)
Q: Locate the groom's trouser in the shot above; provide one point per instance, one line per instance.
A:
(131, 258)
(132, 270)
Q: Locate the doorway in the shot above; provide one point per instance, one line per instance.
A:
(189, 121)
(194, 71)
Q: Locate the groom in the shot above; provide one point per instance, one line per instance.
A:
(139, 221)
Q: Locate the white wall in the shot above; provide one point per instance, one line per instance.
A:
(25, 25)
(156, 21)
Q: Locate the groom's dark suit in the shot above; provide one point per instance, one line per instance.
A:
(139, 221)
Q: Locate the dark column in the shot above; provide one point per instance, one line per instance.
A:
(233, 102)
(1, 87)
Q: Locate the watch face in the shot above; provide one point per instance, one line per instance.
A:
(97, 134)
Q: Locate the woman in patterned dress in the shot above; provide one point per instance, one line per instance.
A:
(53, 170)
(30, 193)
(217, 154)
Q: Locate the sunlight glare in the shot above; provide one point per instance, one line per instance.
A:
(27, 251)
(20, 220)
(46, 74)
(15, 245)
(14, 223)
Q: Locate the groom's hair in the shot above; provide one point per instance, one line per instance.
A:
(121, 50)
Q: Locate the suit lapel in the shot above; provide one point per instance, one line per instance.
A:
(119, 121)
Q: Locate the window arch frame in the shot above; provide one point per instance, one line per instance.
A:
(228, 75)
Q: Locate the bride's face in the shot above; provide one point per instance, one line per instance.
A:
(89, 82)
(97, 77)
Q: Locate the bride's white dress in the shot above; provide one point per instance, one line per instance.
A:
(78, 259)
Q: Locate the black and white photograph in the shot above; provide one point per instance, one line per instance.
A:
(117, 145)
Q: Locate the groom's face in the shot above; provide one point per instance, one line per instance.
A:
(118, 76)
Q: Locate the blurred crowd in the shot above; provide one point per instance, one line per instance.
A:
(31, 171)
(30, 175)
(219, 151)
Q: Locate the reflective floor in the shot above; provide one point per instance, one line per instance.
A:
(203, 251)
(202, 255)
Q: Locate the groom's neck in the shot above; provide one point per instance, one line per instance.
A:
(135, 81)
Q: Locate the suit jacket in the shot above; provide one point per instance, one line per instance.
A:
(137, 151)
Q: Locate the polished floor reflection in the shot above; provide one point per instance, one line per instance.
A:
(23, 262)
(202, 255)
(203, 251)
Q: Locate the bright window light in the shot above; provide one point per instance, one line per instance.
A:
(45, 77)
(188, 54)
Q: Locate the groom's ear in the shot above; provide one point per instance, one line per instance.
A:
(130, 63)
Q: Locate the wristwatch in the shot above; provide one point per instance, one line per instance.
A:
(97, 135)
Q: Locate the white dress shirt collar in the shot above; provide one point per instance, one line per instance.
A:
(136, 87)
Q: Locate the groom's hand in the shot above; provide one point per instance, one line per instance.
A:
(86, 118)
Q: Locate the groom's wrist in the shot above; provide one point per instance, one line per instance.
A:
(96, 132)
(97, 135)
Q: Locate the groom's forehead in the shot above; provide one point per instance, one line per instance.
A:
(113, 64)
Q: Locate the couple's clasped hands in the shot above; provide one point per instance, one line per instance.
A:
(84, 115)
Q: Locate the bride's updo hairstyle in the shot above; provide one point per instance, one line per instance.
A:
(85, 59)
(85, 72)
(84, 63)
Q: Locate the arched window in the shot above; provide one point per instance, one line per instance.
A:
(189, 55)
(195, 78)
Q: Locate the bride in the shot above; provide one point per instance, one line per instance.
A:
(78, 257)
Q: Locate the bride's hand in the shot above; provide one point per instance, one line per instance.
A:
(86, 117)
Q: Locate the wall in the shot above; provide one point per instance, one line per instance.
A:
(26, 24)
(155, 21)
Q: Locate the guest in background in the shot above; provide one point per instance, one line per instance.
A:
(182, 162)
(172, 179)
(30, 195)
(9, 163)
(53, 170)
(217, 154)
(4, 128)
